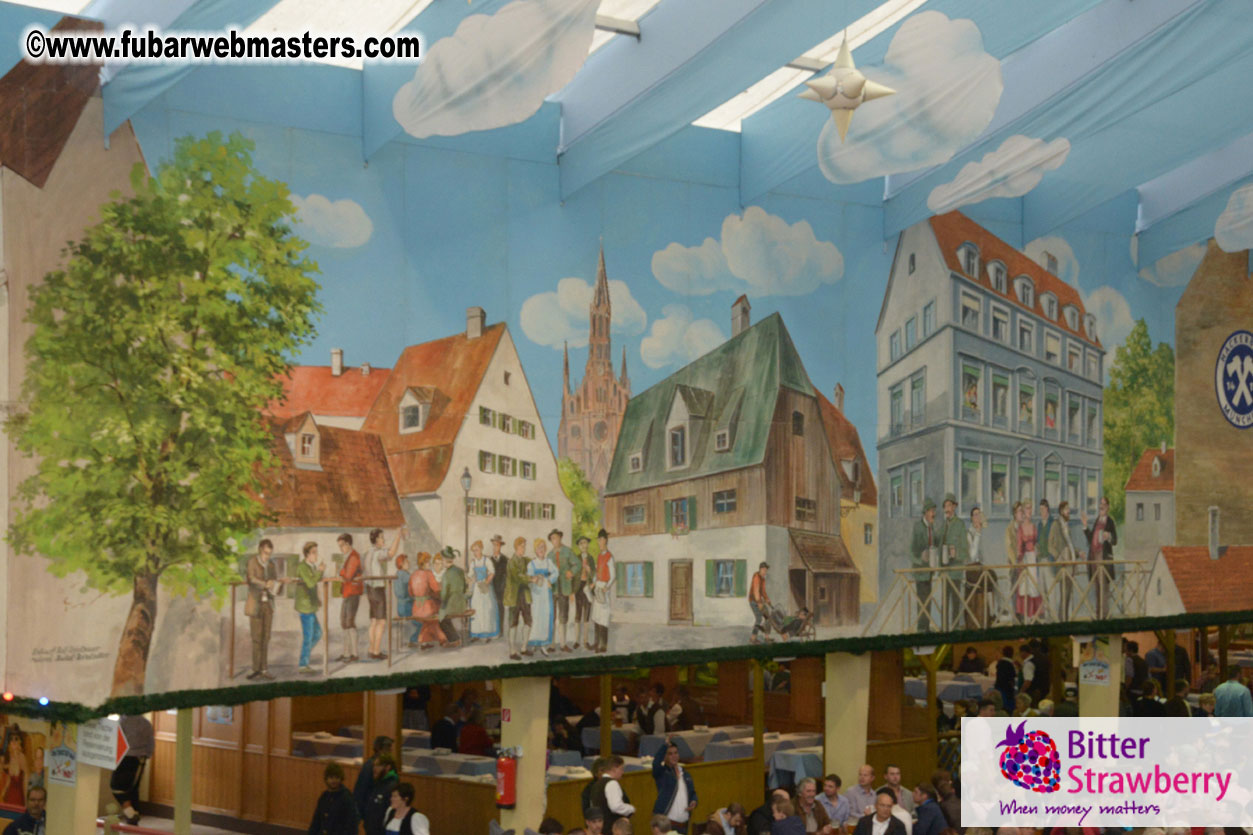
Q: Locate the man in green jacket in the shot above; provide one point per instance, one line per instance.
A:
(308, 576)
(569, 566)
(518, 601)
(955, 553)
(452, 593)
(923, 540)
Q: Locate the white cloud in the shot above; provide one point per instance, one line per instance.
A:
(560, 316)
(339, 223)
(1113, 317)
(1175, 269)
(677, 338)
(759, 254)
(496, 70)
(1067, 263)
(1011, 170)
(1234, 229)
(947, 91)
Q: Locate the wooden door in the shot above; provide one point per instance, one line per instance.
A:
(825, 599)
(681, 590)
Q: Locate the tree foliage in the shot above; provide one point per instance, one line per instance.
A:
(1139, 409)
(586, 503)
(154, 352)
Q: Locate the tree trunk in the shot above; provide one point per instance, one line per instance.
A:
(132, 651)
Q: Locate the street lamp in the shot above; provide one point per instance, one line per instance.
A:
(465, 485)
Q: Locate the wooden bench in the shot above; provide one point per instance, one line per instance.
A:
(402, 632)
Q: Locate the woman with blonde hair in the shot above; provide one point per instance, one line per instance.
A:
(485, 623)
(544, 570)
(424, 589)
(1027, 602)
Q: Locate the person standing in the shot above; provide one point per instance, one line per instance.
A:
(1232, 698)
(336, 813)
(308, 575)
(400, 587)
(584, 581)
(1062, 550)
(981, 580)
(542, 571)
(485, 623)
(568, 569)
(425, 591)
(607, 793)
(956, 553)
(33, 821)
(676, 793)
(124, 783)
(401, 817)
(1029, 598)
(500, 575)
(365, 778)
(263, 584)
(376, 560)
(452, 594)
(386, 779)
(1044, 556)
(350, 591)
(759, 602)
(602, 590)
(922, 545)
(518, 601)
(1101, 537)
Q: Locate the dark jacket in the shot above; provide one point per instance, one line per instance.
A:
(668, 784)
(444, 734)
(1006, 674)
(1107, 548)
(761, 819)
(597, 798)
(1146, 707)
(1040, 683)
(951, 806)
(27, 825)
(335, 814)
(930, 819)
(377, 807)
(866, 824)
(788, 826)
(364, 785)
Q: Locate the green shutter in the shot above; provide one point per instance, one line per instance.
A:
(669, 516)
(691, 513)
(711, 578)
(620, 571)
(741, 578)
(648, 579)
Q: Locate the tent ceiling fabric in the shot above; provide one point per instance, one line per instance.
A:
(1098, 74)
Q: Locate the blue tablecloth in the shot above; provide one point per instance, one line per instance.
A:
(787, 767)
(728, 751)
(621, 740)
(565, 758)
(431, 763)
(949, 691)
(630, 765)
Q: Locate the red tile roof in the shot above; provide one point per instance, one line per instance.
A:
(954, 229)
(1196, 575)
(353, 488)
(1142, 477)
(846, 444)
(312, 388)
(453, 367)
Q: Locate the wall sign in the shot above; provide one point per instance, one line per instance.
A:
(1233, 379)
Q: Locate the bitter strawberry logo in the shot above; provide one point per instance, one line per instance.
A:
(1030, 760)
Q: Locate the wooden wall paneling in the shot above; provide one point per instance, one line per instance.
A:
(807, 677)
(280, 726)
(212, 790)
(887, 694)
(161, 767)
(328, 712)
(909, 753)
(750, 504)
(733, 694)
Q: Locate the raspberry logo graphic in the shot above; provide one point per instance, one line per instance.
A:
(1030, 760)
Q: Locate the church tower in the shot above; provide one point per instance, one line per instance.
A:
(591, 412)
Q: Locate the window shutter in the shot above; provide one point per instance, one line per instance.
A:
(711, 578)
(691, 513)
(669, 516)
(741, 578)
(648, 579)
(620, 571)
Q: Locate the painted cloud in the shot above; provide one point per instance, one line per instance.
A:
(1175, 269)
(1011, 170)
(678, 337)
(759, 254)
(947, 90)
(560, 316)
(495, 70)
(340, 223)
(1113, 319)
(1067, 268)
(1234, 229)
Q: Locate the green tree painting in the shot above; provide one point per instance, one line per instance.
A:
(155, 350)
(1139, 409)
(586, 503)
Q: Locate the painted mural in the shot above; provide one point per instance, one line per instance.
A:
(277, 416)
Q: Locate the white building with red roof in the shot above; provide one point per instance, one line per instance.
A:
(1150, 510)
(989, 385)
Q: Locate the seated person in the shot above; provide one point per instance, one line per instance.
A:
(791, 627)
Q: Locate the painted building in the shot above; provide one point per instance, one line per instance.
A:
(989, 385)
(1216, 456)
(334, 394)
(591, 413)
(859, 501)
(1150, 522)
(723, 465)
(1194, 579)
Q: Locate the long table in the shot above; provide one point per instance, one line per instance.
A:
(322, 745)
(624, 737)
(412, 738)
(789, 766)
(447, 764)
(691, 744)
(742, 748)
(916, 688)
(629, 763)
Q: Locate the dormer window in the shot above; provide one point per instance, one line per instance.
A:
(912, 262)
(1049, 302)
(722, 440)
(1025, 291)
(1072, 316)
(415, 409)
(996, 271)
(678, 446)
(308, 445)
(1089, 325)
(411, 418)
(798, 423)
(969, 259)
(305, 445)
(1157, 467)
(637, 462)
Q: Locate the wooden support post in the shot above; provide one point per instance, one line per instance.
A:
(759, 712)
(72, 809)
(606, 715)
(526, 728)
(846, 726)
(931, 663)
(182, 772)
(1102, 699)
(1224, 639)
(1167, 637)
(1059, 649)
(1203, 656)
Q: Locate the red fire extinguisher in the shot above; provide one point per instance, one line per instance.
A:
(507, 779)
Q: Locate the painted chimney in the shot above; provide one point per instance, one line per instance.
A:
(337, 362)
(1213, 533)
(838, 399)
(476, 317)
(365, 369)
(1050, 262)
(739, 316)
(1163, 447)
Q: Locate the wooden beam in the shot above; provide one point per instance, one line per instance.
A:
(931, 663)
(759, 711)
(1168, 641)
(606, 715)
(1224, 639)
(1057, 679)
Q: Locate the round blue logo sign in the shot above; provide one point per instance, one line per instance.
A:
(1233, 379)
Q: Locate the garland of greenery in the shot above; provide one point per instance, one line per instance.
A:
(130, 705)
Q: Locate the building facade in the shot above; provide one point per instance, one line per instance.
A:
(1150, 522)
(989, 386)
(859, 501)
(591, 413)
(721, 466)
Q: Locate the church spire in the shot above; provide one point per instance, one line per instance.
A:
(599, 358)
(623, 379)
(565, 368)
(602, 283)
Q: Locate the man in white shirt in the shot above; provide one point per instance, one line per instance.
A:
(607, 794)
(1028, 667)
(375, 565)
(676, 793)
